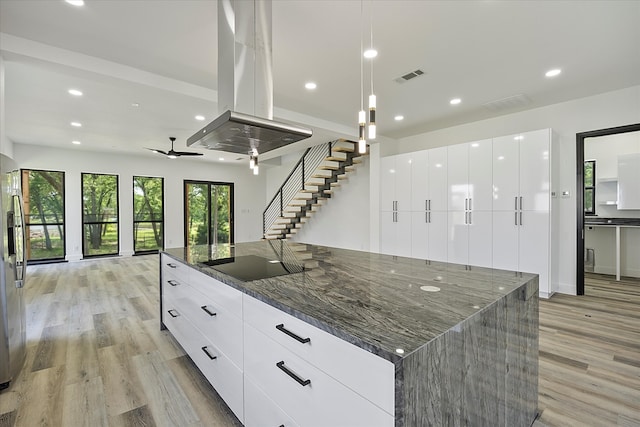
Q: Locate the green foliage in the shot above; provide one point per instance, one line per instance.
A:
(147, 206)
(208, 213)
(100, 206)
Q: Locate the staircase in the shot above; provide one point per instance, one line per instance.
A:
(320, 170)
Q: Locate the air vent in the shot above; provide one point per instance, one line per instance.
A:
(409, 76)
(508, 103)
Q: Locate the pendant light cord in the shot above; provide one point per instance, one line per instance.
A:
(371, 33)
(361, 56)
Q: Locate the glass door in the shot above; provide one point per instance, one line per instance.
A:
(208, 213)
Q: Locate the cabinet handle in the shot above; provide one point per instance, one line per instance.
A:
(426, 205)
(173, 282)
(206, 351)
(284, 369)
(206, 310)
(470, 222)
(466, 201)
(470, 201)
(515, 221)
(171, 313)
(520, 202)
(429, 204)
(515, 201)
(520, 217)
(429, 217)
(298, 338)
(171, 265)
(426, 217)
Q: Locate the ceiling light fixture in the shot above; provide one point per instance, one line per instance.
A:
(76, 124)
(76, 142)
(75, 92)
(370, 53)
(310, 85)
(135, 104)
(221, 159)
(199, 117)
(372, 98)
(362, 121)
(75, 2)
(398, 118)
(455, 101)
(553, 73)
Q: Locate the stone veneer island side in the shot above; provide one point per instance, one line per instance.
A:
(458, 345)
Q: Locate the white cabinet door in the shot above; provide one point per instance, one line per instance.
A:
(437, 236)
(403, 234)
(480, 237)
(403, 181)
(458, 237)
(534, 246)
(387, 183)
(457, 177)
(629, 180)
(388, 233)
(480, 175)
(505, 240)
(438, 179)
(534, 170)
(419, 235)
(506, 172)
(419, 181)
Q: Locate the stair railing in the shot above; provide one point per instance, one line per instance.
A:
(295, 182)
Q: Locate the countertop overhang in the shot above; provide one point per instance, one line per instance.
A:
(378, 302)
(627, 222)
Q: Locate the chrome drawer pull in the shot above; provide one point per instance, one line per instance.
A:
(206, 310)
(171, 313)
(171, 265)
(298, 338)
(206, 351)
(284, 369)
(173, 282)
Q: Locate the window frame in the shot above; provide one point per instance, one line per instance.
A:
(117, 222)
(209, 184)
(592, 212)
(161, 221)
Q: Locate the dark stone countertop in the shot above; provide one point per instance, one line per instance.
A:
(371, 300)
(627, 222)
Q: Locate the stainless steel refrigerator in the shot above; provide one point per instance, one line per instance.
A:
(12, 274)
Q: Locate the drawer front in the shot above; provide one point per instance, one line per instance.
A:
(321, 402)
(173, 267)
(221, 373)
(175, 321)
(361, 371)
(217, 325)
(222, 294)
(260, 411)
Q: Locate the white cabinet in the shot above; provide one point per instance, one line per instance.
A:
(469, 181)
(522, 204)
(395, 202)
(629, 181)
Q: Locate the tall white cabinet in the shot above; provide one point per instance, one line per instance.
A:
(486, 203)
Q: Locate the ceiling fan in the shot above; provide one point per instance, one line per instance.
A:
(172, 154)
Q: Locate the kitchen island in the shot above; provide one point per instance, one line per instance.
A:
(344, 338)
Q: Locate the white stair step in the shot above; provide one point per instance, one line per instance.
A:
(349, 168)
(303, 196)
(337, 156)
(291, 209)
(315, 181)
(283, 220)
(290, 214)
(271, 232)
(311, 188)
(270, 237)
(320, 173)
(329, 165)
(295, 203)
(279, 226)
(357, 160)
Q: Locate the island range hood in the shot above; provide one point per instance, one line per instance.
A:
(245, 85)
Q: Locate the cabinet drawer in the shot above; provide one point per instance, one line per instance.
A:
(221, 373)
(260, 410)
(361, 371)
(216, 324)
(173, 267)
(225, 296)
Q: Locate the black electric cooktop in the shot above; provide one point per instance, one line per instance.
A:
(253, 267)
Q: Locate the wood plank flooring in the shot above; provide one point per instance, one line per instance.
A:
(96, 356)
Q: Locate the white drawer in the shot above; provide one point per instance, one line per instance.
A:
(225, 296)
(221, 373)
(216, 324)
(322, 402)
(260, 411)
(361, 371)
(176, 268)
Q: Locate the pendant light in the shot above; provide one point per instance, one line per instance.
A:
(372, 97)
(362, 121)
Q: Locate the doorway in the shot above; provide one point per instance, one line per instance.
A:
(208, 213)
(580, 194)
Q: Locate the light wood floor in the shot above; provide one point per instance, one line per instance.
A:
(96, 356)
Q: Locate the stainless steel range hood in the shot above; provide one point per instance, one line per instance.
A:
(245, 84)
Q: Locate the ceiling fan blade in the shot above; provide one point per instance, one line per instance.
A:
(186, 153)
(155, 150)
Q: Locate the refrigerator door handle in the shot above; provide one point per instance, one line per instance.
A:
(19, 238)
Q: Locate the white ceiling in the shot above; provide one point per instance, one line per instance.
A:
(162, 54)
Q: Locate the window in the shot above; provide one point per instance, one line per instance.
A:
(43, 194)
(208, 213)
(100, 215)
(590, 187)
(148, 214)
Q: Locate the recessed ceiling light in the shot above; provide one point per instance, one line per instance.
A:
(75, 2)
(475, 144)
(553, 73)
(76, 142)
(199, 117)
(455, 101)
(310, 85)
(75, 92)
(370, 53)
(221, 159)
(398, 118)
(135, 104)
(76, 124)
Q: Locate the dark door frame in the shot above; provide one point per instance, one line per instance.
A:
(231, 202)
(580, 137)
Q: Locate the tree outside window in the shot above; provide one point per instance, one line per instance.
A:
(148, 208)
(100, 214)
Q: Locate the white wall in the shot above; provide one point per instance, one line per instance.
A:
(6, 146)
(606, 110)
(249, 190)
